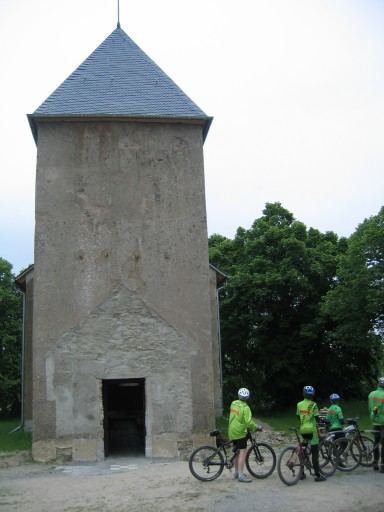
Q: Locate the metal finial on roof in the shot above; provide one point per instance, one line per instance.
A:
(118, 13)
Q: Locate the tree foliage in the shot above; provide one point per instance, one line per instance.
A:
(271, 309)
(356, 306)
(10, 342)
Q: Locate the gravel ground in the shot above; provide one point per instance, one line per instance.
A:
(142, 485)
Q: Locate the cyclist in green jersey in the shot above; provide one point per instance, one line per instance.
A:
(240, 419)
(308, 412)
(376, 411)
(335, 416)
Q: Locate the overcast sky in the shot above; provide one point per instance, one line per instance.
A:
(296, 89)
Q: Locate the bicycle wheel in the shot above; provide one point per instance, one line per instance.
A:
(367, 451)
(349, 454)
(260, 460)
(328, 457)
(289, 466)
(206, 463)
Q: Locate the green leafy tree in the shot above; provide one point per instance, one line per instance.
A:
(10, 342)
(272, 330)
(356, 307)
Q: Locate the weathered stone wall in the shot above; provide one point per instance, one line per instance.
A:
(121, 281)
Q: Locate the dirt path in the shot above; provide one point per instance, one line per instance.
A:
(139, 485)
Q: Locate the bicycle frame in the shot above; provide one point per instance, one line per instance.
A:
(207, 462)
(302, 451)
(224, 446)
(294, 460)
(228, 461)
(366, 444)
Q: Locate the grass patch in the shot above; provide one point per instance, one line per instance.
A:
(283, 419)
(357, 408)
(14, 441)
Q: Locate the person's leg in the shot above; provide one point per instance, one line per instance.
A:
(315, 458)
(382, 449)
(315, 462)
(236, 460)
(376, 453)
(241, 460)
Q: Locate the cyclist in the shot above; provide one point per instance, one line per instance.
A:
(376, 410)
(335, 416)
(240, 419)
(308, 413)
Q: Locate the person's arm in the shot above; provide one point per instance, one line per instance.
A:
(248, 422)
(371, 408)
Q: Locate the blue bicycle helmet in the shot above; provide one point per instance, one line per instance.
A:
(308, 391)
(334, 396)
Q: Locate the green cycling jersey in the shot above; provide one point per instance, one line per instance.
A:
(307, 411)
(335, 416)
(240, 419)
(376, 400)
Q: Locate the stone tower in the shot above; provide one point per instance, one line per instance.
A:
(124, 347)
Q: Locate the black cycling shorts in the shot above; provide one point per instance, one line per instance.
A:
(240, 443)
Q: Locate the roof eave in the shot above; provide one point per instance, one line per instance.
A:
(204, 121)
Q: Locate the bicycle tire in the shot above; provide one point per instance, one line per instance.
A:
(349, 455)
(328, 457)
(206, 463)
(289, 465)
(367, 454)
(260, 460)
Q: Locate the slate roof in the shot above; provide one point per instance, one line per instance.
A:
(119, 80)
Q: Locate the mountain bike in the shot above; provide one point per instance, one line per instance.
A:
(206, 463)
(366, 443)
(349, 450)
(293, 460)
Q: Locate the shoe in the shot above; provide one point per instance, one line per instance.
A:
(236, 475)
(303, 476)
(244, 478)
(382, 468)
(375, 466)
(320, 478)
(341, 465)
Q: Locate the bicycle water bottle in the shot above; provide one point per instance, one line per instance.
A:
(308, 449)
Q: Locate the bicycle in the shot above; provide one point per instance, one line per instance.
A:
(353, 447)
(366, 443)
(327, 448)
(293, 460)
(206, 463)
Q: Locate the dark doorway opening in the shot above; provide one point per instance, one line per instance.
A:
(124, 417)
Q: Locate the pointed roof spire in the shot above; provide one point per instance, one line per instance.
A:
(118, 13)
(119, 80)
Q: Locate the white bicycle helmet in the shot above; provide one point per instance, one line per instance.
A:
(381, 382)
(243, 393)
